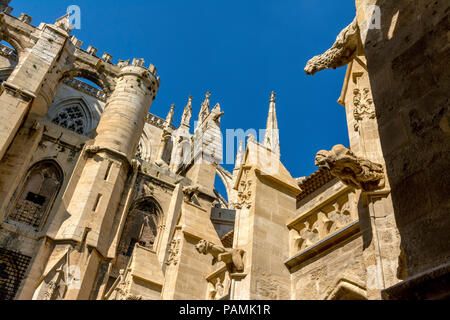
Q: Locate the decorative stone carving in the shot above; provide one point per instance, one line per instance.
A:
(340, 54)
(187, 113)
(233, 258)
(363, 105)
(219, 286)
(323, 222)
(190, 192)
(244, 192)
(174, 251)
(72, 118)
(354, 171)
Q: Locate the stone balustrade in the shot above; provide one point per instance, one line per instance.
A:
(8, 52)
(157, 121)
(323, 226)
(84, 87)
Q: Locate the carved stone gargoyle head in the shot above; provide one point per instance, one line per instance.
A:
(354, 171)
(233, 258)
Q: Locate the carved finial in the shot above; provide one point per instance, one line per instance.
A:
(271, 136)
(169, 117)
(272, 96)
(204, 110)
(239, 155)
(187, 113)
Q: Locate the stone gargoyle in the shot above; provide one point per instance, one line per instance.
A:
(233, 258)
(190, 191)
(354, 171)
(341, 53)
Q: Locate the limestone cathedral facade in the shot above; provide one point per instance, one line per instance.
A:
(102, 200)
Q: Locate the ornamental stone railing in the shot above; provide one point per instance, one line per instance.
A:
(8, 52)
(84, 87)
(323, 225)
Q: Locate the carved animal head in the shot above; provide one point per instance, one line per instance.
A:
(321, 160)
(202, 247)
(312, 66)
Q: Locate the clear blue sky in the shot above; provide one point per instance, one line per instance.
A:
(239, 50)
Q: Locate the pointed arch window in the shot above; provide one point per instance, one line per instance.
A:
(75, 114)
(140, 227)
(37, 193)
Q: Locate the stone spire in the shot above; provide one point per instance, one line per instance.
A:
(239, 155)
(204, 109)
(271, 136)
(169, 117)
(187, 113)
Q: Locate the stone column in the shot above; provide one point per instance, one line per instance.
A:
(96, 197)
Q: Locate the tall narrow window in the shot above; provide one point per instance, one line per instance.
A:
(97, 201)
(36, 194)
(108, 170)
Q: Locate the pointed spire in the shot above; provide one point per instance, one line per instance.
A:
(169, 117)
(239, 155)
(187, 113)
(204, 110)
(271, 137)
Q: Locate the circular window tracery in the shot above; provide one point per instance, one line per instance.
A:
(71, 118)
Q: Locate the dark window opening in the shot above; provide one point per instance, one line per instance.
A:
(13, 266)
(35, 198)
(131, 247)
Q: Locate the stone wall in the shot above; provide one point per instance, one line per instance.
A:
(408, 62)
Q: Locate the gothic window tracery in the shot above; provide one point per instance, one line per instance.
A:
(37, 194)
(71, 117)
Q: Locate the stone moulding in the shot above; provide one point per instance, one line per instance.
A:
(323, 245)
